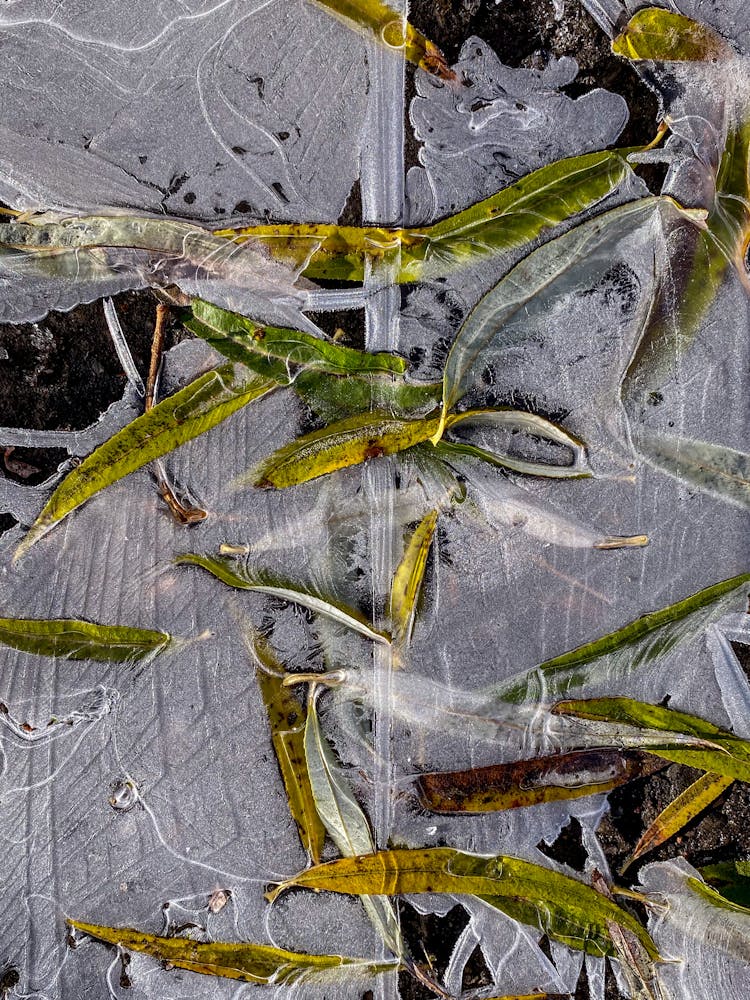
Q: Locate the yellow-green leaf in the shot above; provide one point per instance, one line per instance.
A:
(680, 811)
(338, 446)
(723, 754)
(522, 783)
(249, 963)
(243, 340)
(559, 906)
(193, 410)
(79, 640)
(287, 717)
(409, 575)
(234, 573)
(666, 36)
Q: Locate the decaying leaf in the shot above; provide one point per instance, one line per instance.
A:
(562, 907)
(234, 573)
(79, 640)
(531, 782)
(652, 635)
(666, 36)
(723, 754)
(193, 410)
(287, 718)
(680, 811)
(339, 446)
(409, 575)
(249, 963)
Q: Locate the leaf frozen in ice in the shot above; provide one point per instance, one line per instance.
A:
(249, 963)
(409, 575)
(234, 573)
(197, 408)
(81, 640)
(562, 907)
(665, 35)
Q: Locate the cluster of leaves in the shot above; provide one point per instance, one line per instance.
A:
(379, 410)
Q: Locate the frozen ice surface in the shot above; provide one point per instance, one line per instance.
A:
(139, 791)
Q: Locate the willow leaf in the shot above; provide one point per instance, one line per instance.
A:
(724, 754)
(507, 220)
(560, 906)
(344, 819)
(680, 811)
(78, 640)
(193, 410)
(665, 36)
(287, 718)
(545, 270)
(711, 468)
(640, 641)
(234, 573)
(731, 879)
(409, 575)
(242, 340)
(249, 963)
(339, 446)
(333, 398)
(523, 783)
(391, 29)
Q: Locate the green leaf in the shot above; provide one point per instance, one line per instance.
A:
(665, 36)
(339, 446)
(640, 641)
(334, 398)
(724, 754)
(522, 783)
(559, 906)
(344, 820)
(408, 578)
(711, 468)
(234, 573)
(193, 410)
(731, 879)
(552, 268)
(241, 339)
(249, 963)
(78, 640)
(518, 423)
(681, 810)
(287, 718)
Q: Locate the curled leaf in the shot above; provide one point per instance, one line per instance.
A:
(531, 782)
(562, 907)
(680, 811)
(666, 36)
(79, 640)
(193, 410)
(339, 446)
(409, 575)
(234, 573)
(287, 718)
(249, 963)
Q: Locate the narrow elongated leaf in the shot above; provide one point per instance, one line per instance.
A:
(560, 906)
(240, 339)
(731, 879)
(344, 820)
(249, 963)
(507, 220)
(666, 36)
(334, 398)
(287, 717)
(78, 640)
(340, 445)
(544, 270)
(409, 575)
(193, 410)
(532, 782)
(391, 29)
(680, 811)
(711, 468)
(234, 573)
(640, 641)
(725, 754)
